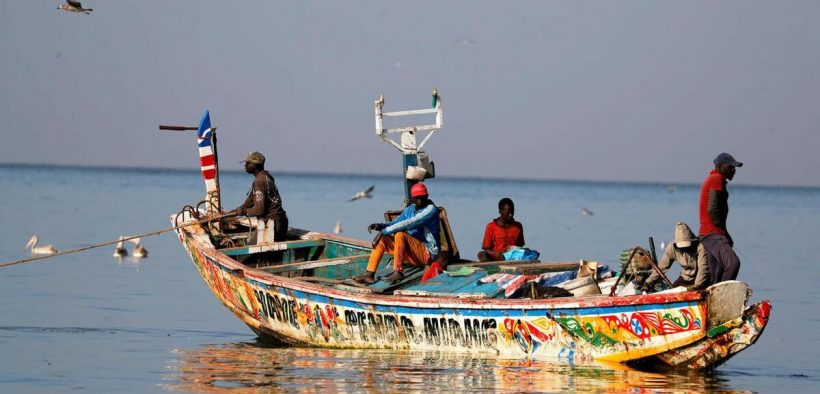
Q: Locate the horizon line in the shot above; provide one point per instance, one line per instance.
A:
(329, 173)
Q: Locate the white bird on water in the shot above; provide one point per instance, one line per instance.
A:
(586, 211)
(45, 249)
(337, 229)
(119, 250)
(366, 193)
(74, 6)
(139, 250)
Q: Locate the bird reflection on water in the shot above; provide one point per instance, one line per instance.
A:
(251, 367)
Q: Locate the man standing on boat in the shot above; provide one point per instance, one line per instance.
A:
(413, 236)
(714, 209)
(263, 203)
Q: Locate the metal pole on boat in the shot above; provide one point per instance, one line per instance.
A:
(654, 262)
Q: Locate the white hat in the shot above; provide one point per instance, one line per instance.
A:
(683, 235)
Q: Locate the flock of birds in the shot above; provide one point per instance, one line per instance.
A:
(139, 250)
(120, 251)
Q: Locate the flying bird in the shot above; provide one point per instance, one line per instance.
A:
(74, 6)
(45, 249)
(367, 193)
(119, 250)
(139, 250)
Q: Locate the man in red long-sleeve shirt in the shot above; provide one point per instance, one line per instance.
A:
(714, 209)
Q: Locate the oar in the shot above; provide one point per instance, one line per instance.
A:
(165, 230)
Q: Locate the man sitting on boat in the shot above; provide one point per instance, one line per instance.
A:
(501, 233)
(263, 203)
(687, 250)
(413, 236)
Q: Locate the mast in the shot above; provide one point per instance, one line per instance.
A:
(208, 159)
(416, 165)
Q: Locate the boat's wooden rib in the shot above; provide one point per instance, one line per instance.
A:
(272, 247)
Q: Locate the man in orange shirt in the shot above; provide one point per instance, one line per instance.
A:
(501, 233)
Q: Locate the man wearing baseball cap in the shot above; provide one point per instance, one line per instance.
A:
(412, 237)
(714, 210)
(263, 203)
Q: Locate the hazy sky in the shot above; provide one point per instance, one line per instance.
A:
(612, 90)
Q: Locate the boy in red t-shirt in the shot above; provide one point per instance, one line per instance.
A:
(501, 233)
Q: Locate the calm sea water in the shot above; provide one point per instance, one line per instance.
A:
(86, 322)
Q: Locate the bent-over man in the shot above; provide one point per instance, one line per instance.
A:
(687, 250)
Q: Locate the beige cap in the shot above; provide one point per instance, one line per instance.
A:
(683, 235)
(254, 157)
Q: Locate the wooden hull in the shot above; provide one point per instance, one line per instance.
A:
(298, 312)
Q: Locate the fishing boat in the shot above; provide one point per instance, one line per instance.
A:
(299, 291)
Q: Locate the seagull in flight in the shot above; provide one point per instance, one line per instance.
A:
(74, 6)
(367, 193)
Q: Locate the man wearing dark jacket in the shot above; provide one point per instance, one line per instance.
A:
(714, 209)
(263, 203)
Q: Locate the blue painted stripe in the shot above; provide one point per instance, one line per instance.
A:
(204, 132)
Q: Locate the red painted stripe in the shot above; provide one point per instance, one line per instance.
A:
(209, 174)
(206, 160)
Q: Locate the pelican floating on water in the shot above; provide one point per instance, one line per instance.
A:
(119, 250)
(139, 250)
(45, 249)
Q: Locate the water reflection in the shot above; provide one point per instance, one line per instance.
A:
(254, 368)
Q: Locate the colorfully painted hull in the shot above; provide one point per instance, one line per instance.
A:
(578, 329)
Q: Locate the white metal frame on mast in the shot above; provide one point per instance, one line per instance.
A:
(407, 143)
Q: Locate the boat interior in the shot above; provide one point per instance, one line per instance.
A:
(333, 260)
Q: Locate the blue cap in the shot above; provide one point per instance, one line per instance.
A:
(725, 158)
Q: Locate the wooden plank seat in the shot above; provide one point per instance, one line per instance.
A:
(304, 265)
(539, 267)
(272, 246)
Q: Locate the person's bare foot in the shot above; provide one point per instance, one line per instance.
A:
(394, 277)
(367, 278)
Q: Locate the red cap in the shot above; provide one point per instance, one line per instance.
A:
(418, 190)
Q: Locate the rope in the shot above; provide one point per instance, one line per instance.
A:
(30, 259)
